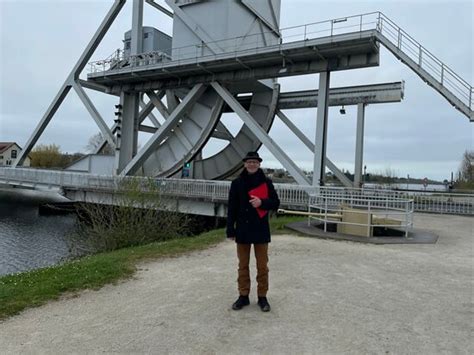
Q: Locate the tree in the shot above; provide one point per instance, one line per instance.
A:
(46, 156)
(466, 170)
(95, 142)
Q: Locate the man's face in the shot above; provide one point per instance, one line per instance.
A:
(252, 165)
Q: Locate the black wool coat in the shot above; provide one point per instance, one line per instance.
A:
(243, 221)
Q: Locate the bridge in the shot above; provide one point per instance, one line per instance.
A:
(209, 197)
(202, 75)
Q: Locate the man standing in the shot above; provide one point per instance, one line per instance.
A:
(251, 196)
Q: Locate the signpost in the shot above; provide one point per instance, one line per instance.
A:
(425, 182)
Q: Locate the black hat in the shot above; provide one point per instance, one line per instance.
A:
(252, 155)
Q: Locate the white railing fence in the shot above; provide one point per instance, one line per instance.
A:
(295, 196)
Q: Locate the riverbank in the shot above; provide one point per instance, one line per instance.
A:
(36, 287)
(327, 297)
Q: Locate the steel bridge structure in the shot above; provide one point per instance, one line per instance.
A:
(205, 73)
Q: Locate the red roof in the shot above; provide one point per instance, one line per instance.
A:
(5, 145)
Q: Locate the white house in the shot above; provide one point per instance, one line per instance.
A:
(9, 152)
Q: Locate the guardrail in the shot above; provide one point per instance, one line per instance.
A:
(371, 211)
(241, 45)
(290, 195)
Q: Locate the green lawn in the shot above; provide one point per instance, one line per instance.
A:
(34, 288)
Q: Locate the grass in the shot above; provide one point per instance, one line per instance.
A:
(36, 287)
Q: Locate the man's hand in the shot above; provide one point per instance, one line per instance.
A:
(255, 201)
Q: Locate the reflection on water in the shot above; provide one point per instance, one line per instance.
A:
(28, 240)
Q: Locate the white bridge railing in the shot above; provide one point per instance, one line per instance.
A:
(294, 196)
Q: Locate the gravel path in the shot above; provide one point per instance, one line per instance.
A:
(327, 297)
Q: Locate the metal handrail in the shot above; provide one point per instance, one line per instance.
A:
(427, 60)
(292, 195)
(377, 21)
(328, 206)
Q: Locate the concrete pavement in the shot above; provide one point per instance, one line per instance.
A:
(327, 297)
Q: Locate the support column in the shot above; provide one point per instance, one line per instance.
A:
(128, 133)
(130, 101)
(359, 153)
(321, 130)
(136, 42)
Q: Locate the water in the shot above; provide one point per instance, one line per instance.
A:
(28, 240)
(415, 187)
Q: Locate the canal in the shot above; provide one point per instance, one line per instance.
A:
(29, 240)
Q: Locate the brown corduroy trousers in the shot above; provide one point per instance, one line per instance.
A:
(261, 256)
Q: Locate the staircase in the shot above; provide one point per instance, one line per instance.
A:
(430, 69)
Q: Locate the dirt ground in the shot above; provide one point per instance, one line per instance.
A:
(327, 297)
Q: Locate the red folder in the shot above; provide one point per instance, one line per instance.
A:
(261, 192)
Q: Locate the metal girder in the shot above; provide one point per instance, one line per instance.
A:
(150, 115)
(156, 101)
(359, 144)
(221, 132)
(66, 87)
(136, 42)
(195, 28)
(171, 100)
(160, 8)
(148, 129)
(321, 130)
(104, 129)
(261, 134)
(273, 27)
(350, 95)
(43, 123)
(97, 38)
(339, 174)
(127, 142)
(95, 86)
(341, 52)
(165, 128)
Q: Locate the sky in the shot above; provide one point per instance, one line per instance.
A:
(423, 136)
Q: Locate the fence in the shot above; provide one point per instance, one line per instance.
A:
(295, 196)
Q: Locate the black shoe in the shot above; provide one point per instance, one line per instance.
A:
(264, 305)
(240, 303)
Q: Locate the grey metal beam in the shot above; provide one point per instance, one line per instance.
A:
(97, 38)
(127, 137)
(195, 28)
(159, 8)
(221, 132)
(147, 129)
(339, 174)
(341, 52)
(359, 153)
(95, 86)
(104, 129)
(156, 101)
(171, 100)
(136, 42)
(150, 115)
(273, 27)
(42, 124)
(260, 133)
(66, 87)
(165, 128)
(350, 95)
(321, 130)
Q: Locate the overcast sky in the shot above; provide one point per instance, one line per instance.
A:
(423, 135)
